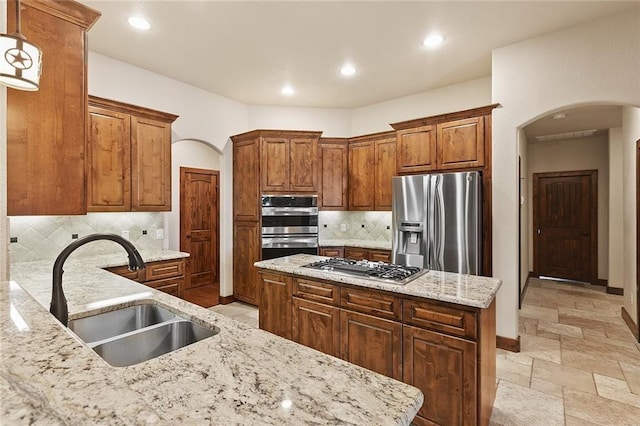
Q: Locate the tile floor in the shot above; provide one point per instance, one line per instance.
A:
(578, 365)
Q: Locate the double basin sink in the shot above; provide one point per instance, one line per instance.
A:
(138, 333)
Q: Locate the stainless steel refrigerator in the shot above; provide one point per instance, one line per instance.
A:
(437, 221)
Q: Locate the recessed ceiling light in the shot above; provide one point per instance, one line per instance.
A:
(559, 116)
(348, 70)
(288, 90)
(139, 23)
(433, 40)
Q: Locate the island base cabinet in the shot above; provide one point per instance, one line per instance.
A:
(372, 343)
(317, 326)
(444, 369)
(275, 304)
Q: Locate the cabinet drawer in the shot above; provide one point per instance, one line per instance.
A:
(331, 251)
(380, 256)
(368, 302)
(313, 290)
(173, 286)
(356, 253)
(124, 271)
(161, 270)
(453, 321)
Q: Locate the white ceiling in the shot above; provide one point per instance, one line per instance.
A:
(591, 117)
(247, 50)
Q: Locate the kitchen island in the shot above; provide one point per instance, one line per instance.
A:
(436, 332)
(242, 375)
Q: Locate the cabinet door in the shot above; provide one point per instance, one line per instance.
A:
(334, 177)
(246, 251)
(331, 251)
(172, 286)
(275, 304)
(150, 165)
(246, 180)
(361, 176)
(385, 169)
(461, 144)
(316, 325)
(46, 129)
(444, 369)
(372, 343)
(108, 161)
(303, 172)
(275, 164)
(356, 253)
(416, 150)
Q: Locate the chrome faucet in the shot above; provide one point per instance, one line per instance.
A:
(58, 301)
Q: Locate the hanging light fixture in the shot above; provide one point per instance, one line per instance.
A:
(20, 61)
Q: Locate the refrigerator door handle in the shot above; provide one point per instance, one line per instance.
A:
(439, 218)
(465, 237)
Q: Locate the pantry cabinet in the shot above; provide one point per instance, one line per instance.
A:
(128, 157)
(334, 174)
(46, 129)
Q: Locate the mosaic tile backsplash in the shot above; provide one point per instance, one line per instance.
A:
(341, 225)
(42, 237)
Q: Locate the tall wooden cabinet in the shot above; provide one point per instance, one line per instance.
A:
(334, 172)
(46, 128)
(128, 157)
(265, 162)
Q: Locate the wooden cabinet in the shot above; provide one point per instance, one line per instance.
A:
(167, 276)
(380, 256)
(460, 144)
(289, 163)
(246, 251)
(374, 255)
(316, 325)
(246, 180)
(372, 164)
(46, 129)
(416, 150)
(334, 173)
(128, 157)
(331, 251)
(275, 304)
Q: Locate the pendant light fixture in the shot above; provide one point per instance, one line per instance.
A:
(20, 61)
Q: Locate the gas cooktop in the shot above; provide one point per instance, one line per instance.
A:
(378, 271)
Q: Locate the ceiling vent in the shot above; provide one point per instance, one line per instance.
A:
(568, 135)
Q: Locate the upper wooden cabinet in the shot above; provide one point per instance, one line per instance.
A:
(372, 164)
(128, 157)
(46, 128)
(334, 173)
(443, 142)
(246, 180)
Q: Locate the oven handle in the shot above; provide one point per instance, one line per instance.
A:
(289, 230)
(290, 241)
(289, 211)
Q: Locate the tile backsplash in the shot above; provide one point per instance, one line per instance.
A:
(355, 225)
(42, 237)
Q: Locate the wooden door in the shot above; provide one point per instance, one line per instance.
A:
(246, 251)
(361, 176)
(199, 229)
(275, 164)
(461, 144)
(385, 169)
(316, 325)
(565, 230)
(275, 304)
(303, 164)
(333, 176)
(108, 161)
(416, 150)
(150, 165)
(443, 368)
(246, 180)
(372, 343)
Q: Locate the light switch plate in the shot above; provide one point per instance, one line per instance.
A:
(125, 235)
(159, 234)
(343, 227)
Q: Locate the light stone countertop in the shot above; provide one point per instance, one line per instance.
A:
(370, 244)
(242, 375)
(468, 290)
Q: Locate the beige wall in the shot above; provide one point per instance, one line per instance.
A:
(524, 211)
(4, 240)
(616, 209)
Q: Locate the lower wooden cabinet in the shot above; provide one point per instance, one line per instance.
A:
(373, 255)
(331, 251)
(275, 304)
(246, 251)
(167, 276)
(316, 325)
(444, 368)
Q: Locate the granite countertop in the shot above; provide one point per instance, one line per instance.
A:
(469, 290)
(370, 244)
(242, 375)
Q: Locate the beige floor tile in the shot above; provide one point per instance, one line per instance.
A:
(610, 382)
(568, 377)
(529, 326)
(589, 314)
(601, 336)
(540, 348)
(599, 410)
(601, 350)
(563, 329)
(546, 387)
(632, 376)
(540, 313)
(518, 357)
(596, 364)
(619, 331)
(513, 372)
(625, 397)
(517, 405)
(574, 421)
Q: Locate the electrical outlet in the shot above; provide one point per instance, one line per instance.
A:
(343, 227)
(159, 234)
(125, 235)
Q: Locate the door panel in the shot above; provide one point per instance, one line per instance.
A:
(275, 164)
(150, 165)
(361, 178)
(385, 169)
(303, 164)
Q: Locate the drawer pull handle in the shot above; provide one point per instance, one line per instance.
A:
(439, 317)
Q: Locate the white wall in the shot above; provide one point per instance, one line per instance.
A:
(568, 155)
(4, 240)
(523, 145)
(376, 118)
(590, 63)
(630, 134)
(616, 210)
(333, 122)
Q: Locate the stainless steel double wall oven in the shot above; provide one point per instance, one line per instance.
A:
(289, 225)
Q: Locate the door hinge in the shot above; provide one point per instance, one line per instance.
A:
(539, 231)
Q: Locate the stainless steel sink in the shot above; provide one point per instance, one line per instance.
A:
(136, 334)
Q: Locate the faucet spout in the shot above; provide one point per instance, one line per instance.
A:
(59, 307)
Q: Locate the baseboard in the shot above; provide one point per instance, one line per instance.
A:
(615, 290)
(601, 282)
(532, 275)
(511, 345)
(225, 300)
(632, 325)
(523, 293)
